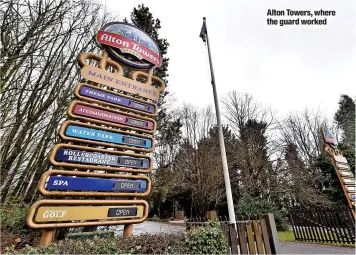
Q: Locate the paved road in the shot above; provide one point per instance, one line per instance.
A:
(149, 227)
(302, 248)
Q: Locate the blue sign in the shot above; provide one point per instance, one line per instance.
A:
(95, 184)
(105, 136)
(97, 158)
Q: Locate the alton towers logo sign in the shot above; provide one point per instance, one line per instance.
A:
(129, 45)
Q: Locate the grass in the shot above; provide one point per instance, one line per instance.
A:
(288, 236)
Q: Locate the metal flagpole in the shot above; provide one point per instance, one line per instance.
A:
(230, 203)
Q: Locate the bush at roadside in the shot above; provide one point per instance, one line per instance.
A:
(206, 240)
(13, 224)
(200, 240)
(252, 205)
(13, 216)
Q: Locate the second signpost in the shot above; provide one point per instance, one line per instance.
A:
(104, 141)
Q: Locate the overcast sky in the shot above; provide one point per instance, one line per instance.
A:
(287, 68)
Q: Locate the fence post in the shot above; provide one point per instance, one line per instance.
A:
(272, 233)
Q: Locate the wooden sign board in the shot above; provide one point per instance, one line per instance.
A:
(349, 181)
(343, 166)
(340, 159)
(73, 183)
(94, 94)
(350, 189)
(346, 173)
(80, 213)
(87, 133)
(98, 114)
(116, 81)
(66, 155)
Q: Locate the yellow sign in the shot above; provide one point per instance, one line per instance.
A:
(116, 81)
(81, 213)
(71, 213)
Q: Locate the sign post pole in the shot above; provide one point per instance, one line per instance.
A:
(47, 237)
(128, 229)
(230, 203)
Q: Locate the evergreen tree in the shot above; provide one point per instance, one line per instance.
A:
(143, 19)
(345, 118)
(253, 160)
(168, 124)
(329, 182)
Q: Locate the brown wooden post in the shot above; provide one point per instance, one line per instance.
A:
(128, 230)
(272, 233)
(47, 237)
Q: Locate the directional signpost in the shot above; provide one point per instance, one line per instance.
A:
(102, 115)
(61, 182)
(104, 141)
(87, 133)
(343, 171)
(94, 94)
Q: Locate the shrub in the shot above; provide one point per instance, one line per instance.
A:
(206, 240)
(251, 205)
(200, 240)
(13, 216)
(142, 244)
(80, 246)
(153, 244)
(158, 219)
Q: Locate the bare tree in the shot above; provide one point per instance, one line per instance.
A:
(198, 165)
(239, 108)
(255, 152)
(302, 129)
(301, 145)
(40, 42)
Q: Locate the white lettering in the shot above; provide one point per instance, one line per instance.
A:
(60, 183)
(54, 213)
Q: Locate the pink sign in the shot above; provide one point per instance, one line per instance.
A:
(130, 46)
(329, 137)
(111, 117)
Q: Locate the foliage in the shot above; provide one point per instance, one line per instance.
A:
(201, 240)
(13, 216)
(345, 117)
(142, 244)
(168, 125)
(251, 205)
(329, 182)
(143, 18)
(286, 236)
(40, 43)
(86, 246)
(158, 219)
(197, 164)
(13, 224)
(206, 240)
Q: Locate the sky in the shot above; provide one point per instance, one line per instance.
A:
(287, 68)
